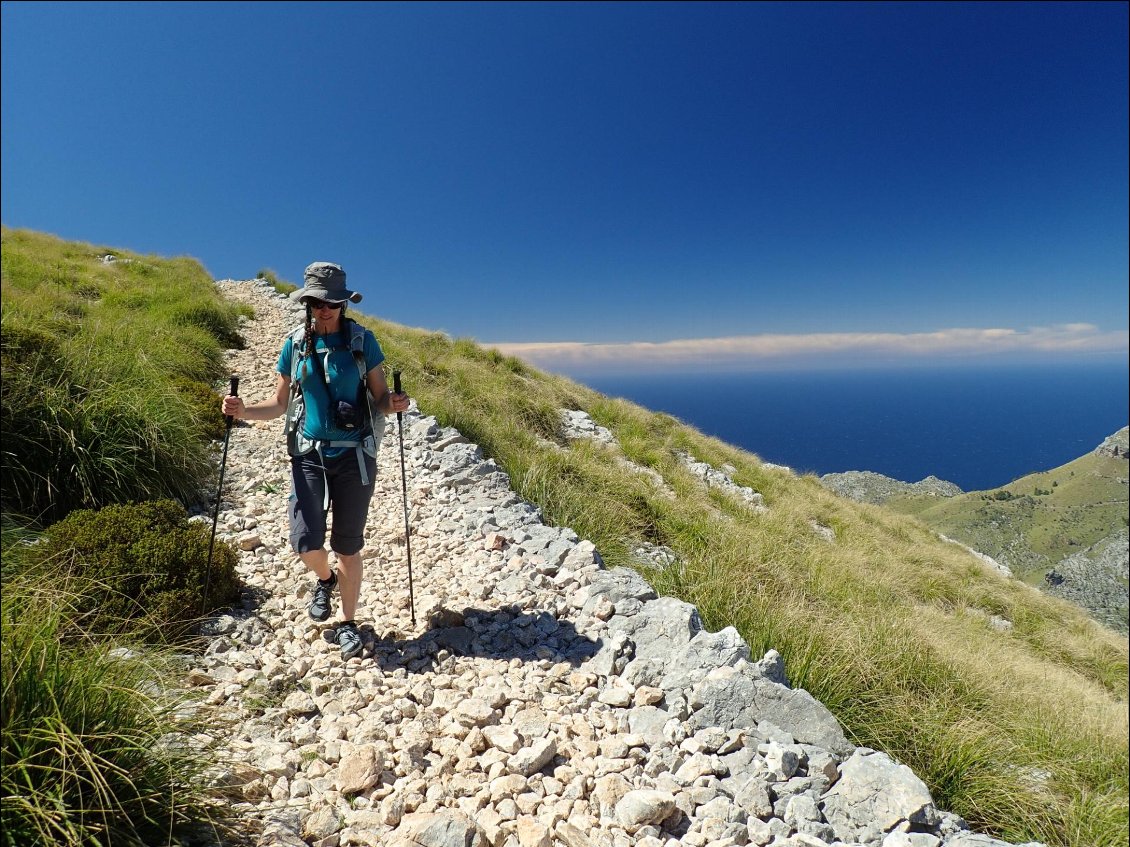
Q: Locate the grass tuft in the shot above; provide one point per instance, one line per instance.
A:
(98, 748)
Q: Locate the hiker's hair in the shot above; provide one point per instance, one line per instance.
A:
(308, 336)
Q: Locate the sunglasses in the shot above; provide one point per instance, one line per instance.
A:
(322, 304)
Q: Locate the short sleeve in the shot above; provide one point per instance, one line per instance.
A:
(373, 353)
(285, 358)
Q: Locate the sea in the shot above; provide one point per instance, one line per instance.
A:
(978, 427)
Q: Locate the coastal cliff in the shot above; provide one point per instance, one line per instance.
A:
(1062, 530)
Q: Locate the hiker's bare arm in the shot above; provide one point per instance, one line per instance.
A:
(387, 402)
(264, 411)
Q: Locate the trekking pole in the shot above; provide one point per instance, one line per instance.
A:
(404, 490)
(219, 493)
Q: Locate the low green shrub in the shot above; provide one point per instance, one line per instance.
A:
(153, 562)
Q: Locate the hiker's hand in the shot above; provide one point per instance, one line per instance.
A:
(397, 402)
(233, 407)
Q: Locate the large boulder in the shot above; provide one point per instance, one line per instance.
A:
(739, 698)
(440, 829)
(874, 795)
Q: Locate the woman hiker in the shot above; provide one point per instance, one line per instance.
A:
(333, 390)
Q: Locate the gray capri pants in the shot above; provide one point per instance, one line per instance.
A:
(349, 500)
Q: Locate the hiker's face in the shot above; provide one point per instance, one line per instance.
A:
(326, 315)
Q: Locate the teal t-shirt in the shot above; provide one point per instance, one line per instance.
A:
(342, 373)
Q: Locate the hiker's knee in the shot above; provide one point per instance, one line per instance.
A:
(346, 545)
(307, 540)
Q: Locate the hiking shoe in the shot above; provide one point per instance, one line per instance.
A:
(348, 639)
(320, 607)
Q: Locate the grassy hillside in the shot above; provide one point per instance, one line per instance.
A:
(1037, 520)
(885, 624)
(1024, 733)
(108, 391)
(109, 369)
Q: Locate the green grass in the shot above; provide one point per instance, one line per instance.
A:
(103, 367)
(1056, 513)
(109, 374)
(98, 748)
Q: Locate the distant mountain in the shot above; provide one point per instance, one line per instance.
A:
(871, 487)
(1063, 530)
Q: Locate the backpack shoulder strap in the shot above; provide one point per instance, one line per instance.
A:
(357, 345)
(371, 443)
(297, 337)
(297, 444)
(357, 336)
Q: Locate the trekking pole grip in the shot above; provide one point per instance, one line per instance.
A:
(234, 392)
(396, 388)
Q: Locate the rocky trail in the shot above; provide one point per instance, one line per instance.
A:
(540, 699)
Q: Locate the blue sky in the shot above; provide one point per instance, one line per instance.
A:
(718, 184)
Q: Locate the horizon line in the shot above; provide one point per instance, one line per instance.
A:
(816, 348)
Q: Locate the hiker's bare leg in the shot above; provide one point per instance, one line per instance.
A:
(318, 561)
(349, 583)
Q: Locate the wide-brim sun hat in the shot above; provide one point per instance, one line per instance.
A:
(325, 281)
